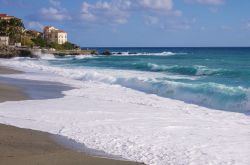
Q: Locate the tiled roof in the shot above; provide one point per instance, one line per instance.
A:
(61, 31)
(3, 15)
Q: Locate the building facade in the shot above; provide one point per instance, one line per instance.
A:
(4, 40)
(52, 34)
(6, 17)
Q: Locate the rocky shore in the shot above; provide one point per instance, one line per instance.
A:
(70, 52)
(10, 52)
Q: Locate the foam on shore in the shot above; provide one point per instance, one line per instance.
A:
(132, 124)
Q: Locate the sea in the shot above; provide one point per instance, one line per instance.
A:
(153, 105)
(217, 78)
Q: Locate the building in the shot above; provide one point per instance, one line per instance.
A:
(52, 34)
(4, 40)
(6, 17)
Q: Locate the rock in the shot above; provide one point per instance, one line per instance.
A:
(10, 52)
(106, 53)
(94, 52)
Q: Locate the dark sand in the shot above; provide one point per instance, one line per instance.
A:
(8, 91)
(27, 147)
(4, 70)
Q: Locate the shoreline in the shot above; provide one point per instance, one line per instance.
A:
(9, 52)
(25, 146)
(19, 146)
(126, 122)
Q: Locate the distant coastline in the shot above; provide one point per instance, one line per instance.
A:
(17, 41)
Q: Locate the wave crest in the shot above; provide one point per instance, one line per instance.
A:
(212, 95)
(144, 53)
(195, 70)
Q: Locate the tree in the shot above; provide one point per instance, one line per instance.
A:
(13, 28)
(39, 41)
(68, 46)
(27, 41)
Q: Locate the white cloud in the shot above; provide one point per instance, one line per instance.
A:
(247, 25)
(157, 4)
(55, 3)
(119, 11)
(35, 25)
(206, 2)
(175, 25)
(114, 12)
(53, 14)
(171, 24)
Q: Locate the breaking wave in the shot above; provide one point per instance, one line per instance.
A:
(145, 53)
(212, 95)
(195, 70)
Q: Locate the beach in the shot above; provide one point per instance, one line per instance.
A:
(25, 146)
(150, 111)
(125, 82)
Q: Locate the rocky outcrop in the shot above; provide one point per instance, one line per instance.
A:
(106, 53)
(10, 52)
(71, 52)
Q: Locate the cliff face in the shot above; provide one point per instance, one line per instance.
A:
(8, 52)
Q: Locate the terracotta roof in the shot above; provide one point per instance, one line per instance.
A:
(3, 15)
(57, 30)
(61, 31)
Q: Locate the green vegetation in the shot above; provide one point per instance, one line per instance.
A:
(39, 41)
(13, 28)
(27, 41)
(31, 40)
(65, 46)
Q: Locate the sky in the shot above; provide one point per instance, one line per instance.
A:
(139, 23)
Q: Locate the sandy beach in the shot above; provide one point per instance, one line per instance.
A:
(24, 146)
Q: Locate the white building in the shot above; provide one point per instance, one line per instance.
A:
(4, 40)
(52, 34)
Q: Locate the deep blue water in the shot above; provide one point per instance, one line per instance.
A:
(213, 77)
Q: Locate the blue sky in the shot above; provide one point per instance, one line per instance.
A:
(147, 23)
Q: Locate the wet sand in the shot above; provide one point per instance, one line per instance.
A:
(8, 91)
(4, 70)
(28, 147)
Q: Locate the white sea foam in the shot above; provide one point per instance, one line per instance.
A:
(45, 56)
(79, 57)
(206, 94)
(129, 123)
(145, 53)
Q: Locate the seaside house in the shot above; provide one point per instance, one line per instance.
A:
(52, 34)
(4, 40)
(6, 17)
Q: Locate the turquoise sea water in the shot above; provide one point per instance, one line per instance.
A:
(217, 78)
